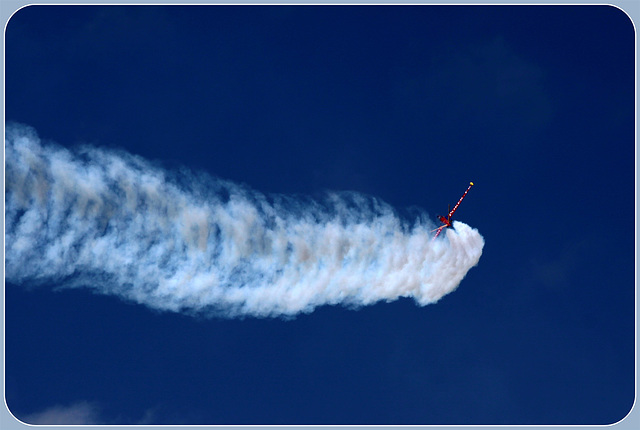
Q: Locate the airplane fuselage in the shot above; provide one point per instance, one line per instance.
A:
(444, 220)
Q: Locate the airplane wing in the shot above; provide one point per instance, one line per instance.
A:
(438, 231)
(460, 201)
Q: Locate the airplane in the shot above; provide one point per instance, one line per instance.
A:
(446, 221)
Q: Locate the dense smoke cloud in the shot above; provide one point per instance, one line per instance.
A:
(186, 242)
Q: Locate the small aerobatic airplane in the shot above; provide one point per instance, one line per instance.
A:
(446, 221)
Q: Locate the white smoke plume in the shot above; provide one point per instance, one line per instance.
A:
(185, 242)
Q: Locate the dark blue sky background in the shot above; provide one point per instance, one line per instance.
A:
(409, 104)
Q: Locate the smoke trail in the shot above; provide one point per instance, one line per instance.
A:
(113, 222)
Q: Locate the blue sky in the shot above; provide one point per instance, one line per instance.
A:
(408, 104)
